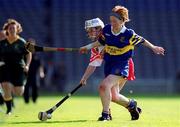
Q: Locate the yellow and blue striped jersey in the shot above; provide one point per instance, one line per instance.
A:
(119, 46)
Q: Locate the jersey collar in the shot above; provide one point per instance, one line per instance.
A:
(121, 31)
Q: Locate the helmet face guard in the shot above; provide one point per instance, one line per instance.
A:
(93, 33)
(93, 28)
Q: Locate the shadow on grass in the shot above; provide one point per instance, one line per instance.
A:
(42, 122)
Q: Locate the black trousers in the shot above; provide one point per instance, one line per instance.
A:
(31, 89)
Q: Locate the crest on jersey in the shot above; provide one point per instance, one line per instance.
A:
(122, 39)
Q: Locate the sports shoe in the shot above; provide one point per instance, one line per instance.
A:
(139, 110)
(8, 112)
(134, 110)
(110, 116)
(104, 117)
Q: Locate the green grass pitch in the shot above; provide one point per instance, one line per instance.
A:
(79, 111)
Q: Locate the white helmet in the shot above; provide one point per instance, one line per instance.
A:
(94, 23)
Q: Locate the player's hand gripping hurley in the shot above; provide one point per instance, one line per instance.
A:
(32, 47)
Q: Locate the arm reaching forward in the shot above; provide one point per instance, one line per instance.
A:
(156, 49)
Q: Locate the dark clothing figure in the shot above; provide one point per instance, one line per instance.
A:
(13, 55)
(12, 71)
(59, 77)
(1, 99)
(177, 83)
(32, 80)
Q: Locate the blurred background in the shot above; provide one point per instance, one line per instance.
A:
(60, 23)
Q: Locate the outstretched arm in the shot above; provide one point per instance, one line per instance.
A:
(85, 48)
(96, 60)
(28, 62)
(89, 71)
(32, 47)
(156, 49)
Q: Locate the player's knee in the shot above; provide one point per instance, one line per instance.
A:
(101, 88)
(104, 87)
(7, 96)
(114, 97)
(18, 92)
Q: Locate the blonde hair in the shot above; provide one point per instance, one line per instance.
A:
(13, 21)
(122, 11)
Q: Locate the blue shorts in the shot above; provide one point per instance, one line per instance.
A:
(120, 68)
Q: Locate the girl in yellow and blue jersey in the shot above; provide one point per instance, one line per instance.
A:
(119, 43)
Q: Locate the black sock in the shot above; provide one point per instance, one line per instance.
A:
(132, 104)
(9, 106)
(1, 99)
(12, 103)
